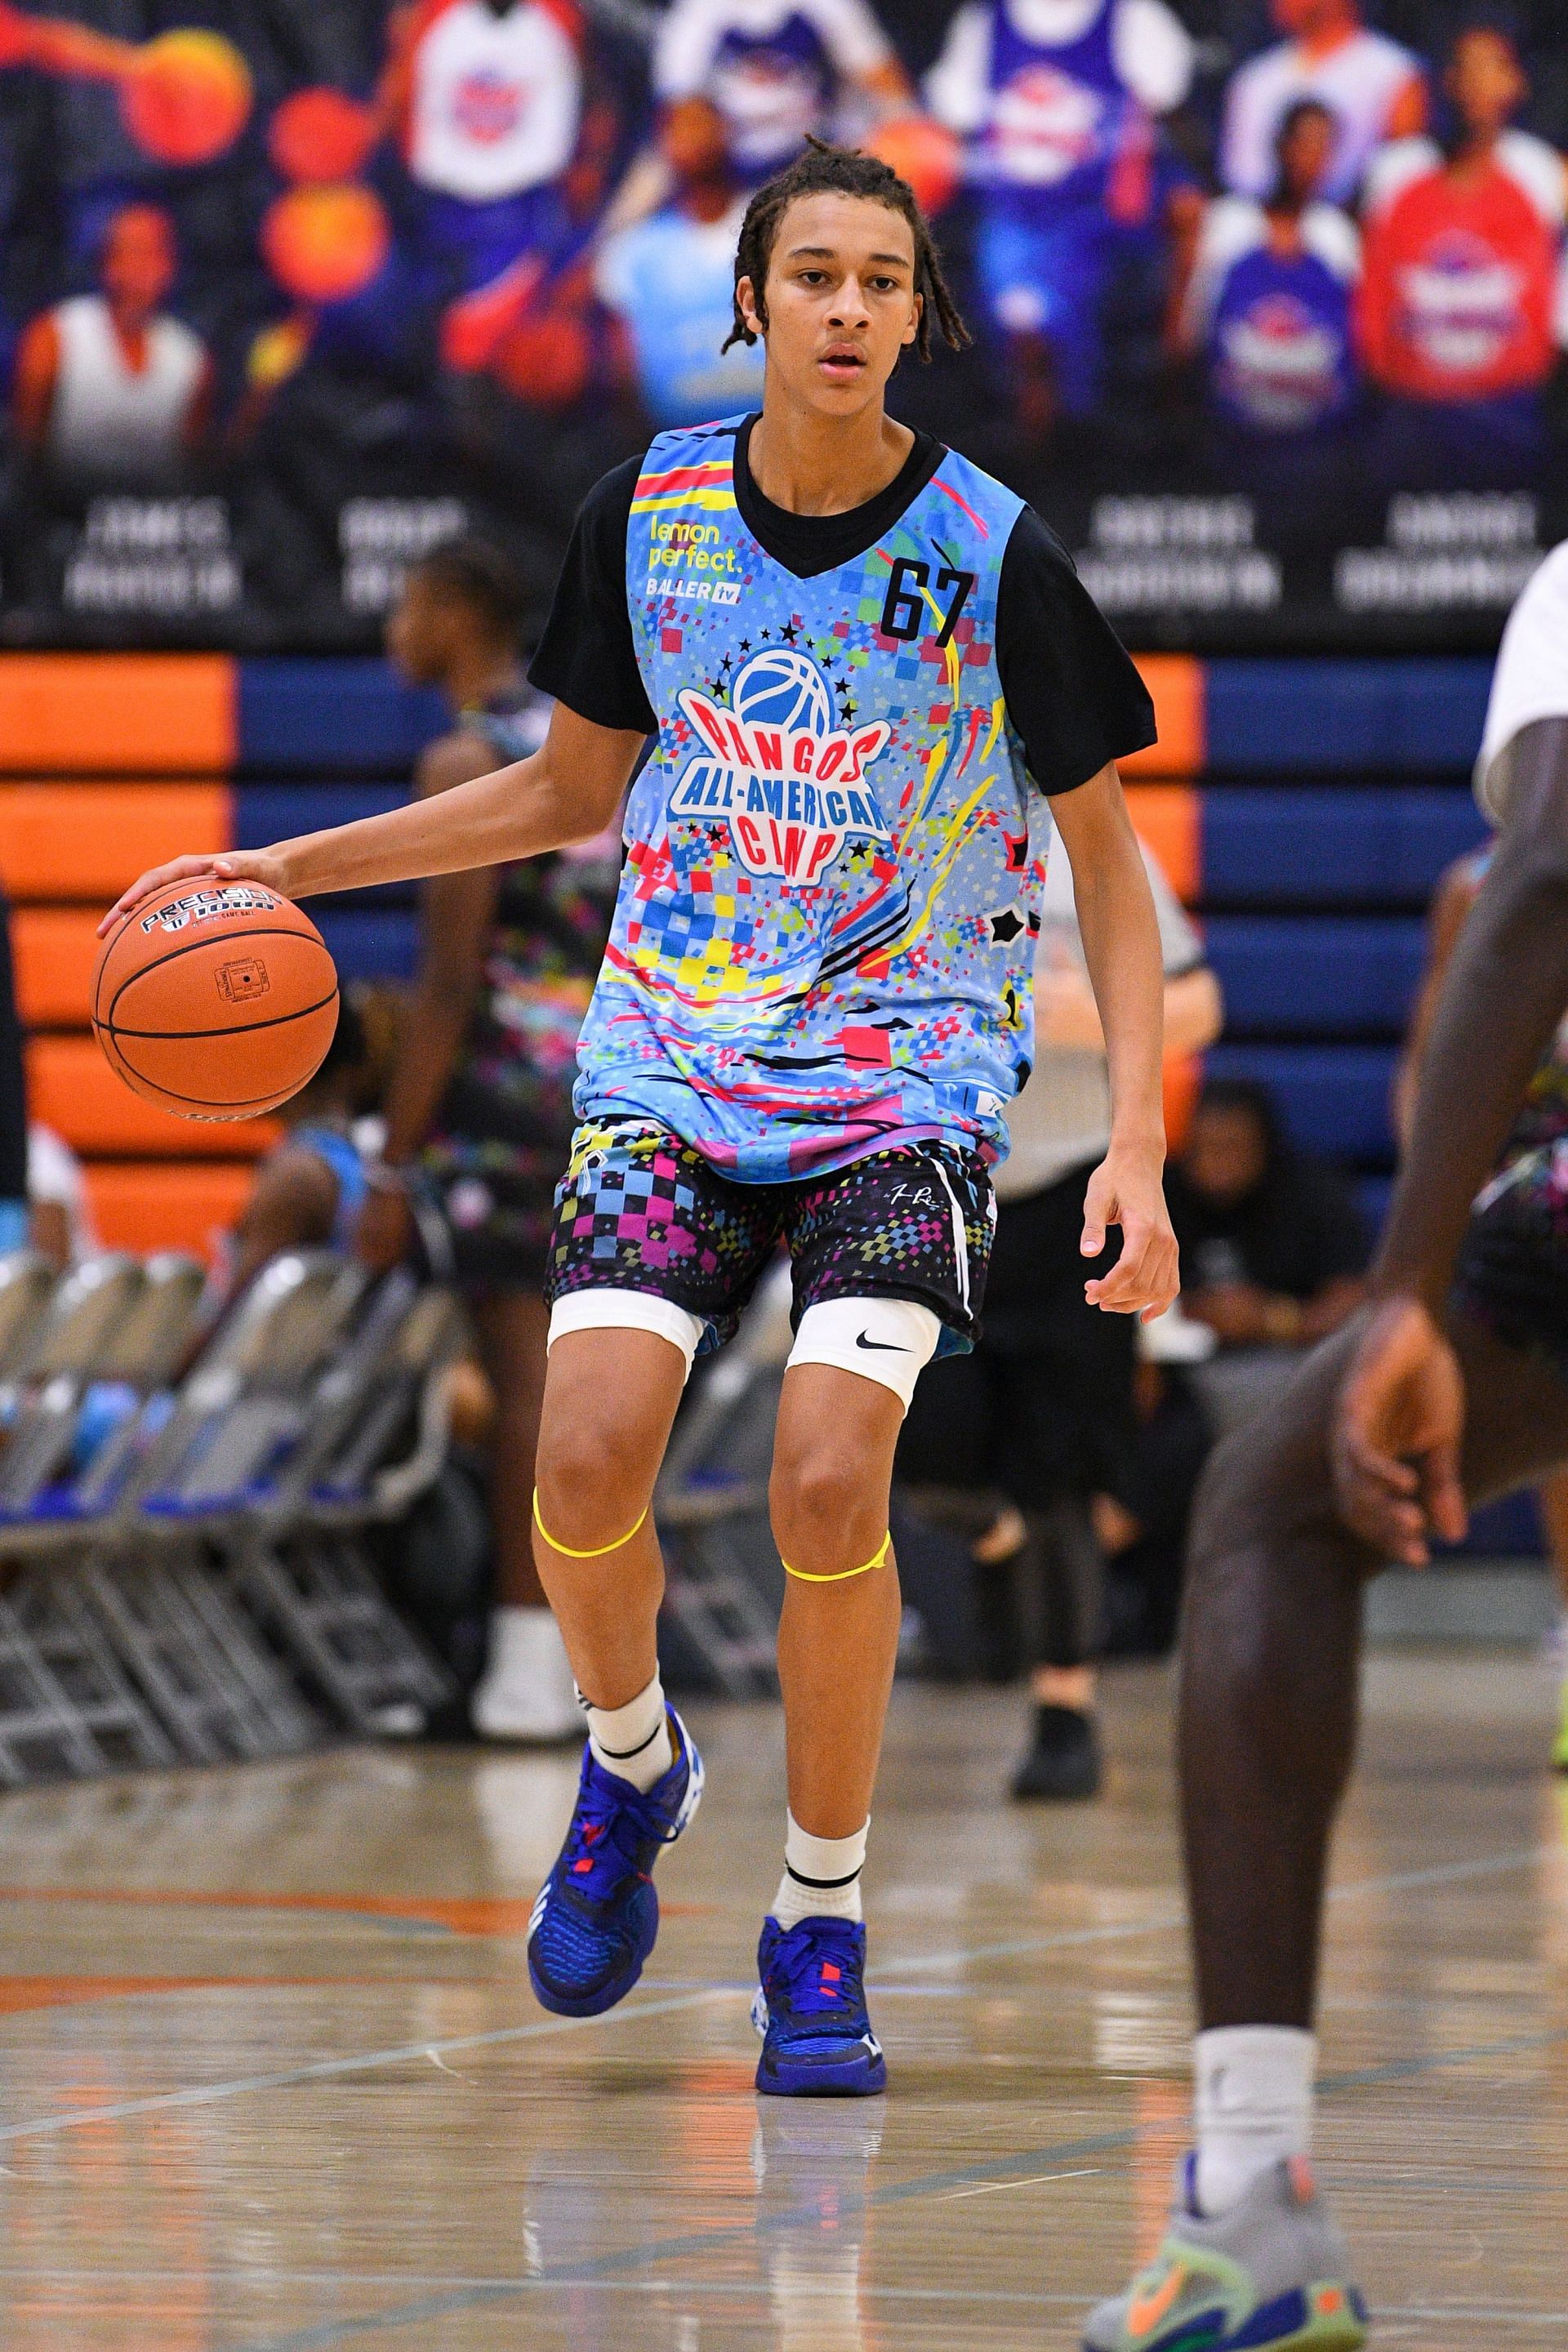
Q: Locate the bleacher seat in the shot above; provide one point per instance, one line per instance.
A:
(1332, 845)
(1316, 975)
(1335, 1098)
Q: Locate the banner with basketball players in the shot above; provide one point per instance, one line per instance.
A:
(1269, 319)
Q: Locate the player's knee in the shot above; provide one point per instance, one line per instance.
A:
(593, 1479)
(822, 1519)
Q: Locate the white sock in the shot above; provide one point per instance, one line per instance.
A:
(822, 1876)
(632, 1741)
(1254, 2087)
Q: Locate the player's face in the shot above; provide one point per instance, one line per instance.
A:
(840, 300)
(1486, 80)
(139, 258)
(419, 632)
(1306, 153)
(1226, 1154)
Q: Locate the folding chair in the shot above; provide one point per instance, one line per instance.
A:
(297, 1561)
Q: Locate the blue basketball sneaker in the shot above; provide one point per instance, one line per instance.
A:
(597, 1915)
(810, 2009)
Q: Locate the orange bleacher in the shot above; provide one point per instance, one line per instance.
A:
(135, 750)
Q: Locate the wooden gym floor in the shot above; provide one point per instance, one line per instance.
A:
(274, 2081)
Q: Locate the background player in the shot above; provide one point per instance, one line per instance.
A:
(868, 665)
(1272, 1636)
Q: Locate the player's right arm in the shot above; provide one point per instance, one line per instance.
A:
(1400, 1416)
(567, 791)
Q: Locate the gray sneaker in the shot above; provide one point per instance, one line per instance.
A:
(1273, 2275)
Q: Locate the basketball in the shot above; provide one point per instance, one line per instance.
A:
(187, 97)
(323, 244)
(217, 1000)
(922, 152)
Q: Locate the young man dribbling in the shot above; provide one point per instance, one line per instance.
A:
(874, 683)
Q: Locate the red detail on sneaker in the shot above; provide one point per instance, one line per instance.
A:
(592, 1830)
(579, 1867)
(831, 1972)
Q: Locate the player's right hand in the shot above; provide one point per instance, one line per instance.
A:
(1394, 1446)
(225, 865)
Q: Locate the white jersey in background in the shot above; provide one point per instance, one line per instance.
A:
(55, 1180)
(495, 99)
(109, 417)
(771, 66)
(1531, 681)
(1361, 82)
(1062, 1118)
(1150, 50)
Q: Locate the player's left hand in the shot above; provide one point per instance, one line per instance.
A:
(1395, 1442)
(1127, 1190)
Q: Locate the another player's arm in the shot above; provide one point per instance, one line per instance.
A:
(567, 791)
(454, 917)
(1120, 934)
(1401, 1413)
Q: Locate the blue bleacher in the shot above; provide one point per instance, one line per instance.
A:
(1334, 1098)
(333, 715)
(1335, 844)
(1316, 975)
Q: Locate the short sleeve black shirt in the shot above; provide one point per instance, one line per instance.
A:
(1071, 690)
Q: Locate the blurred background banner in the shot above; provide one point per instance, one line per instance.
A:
(1268, 294)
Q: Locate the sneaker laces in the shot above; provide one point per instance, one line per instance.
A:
(818, 1966)
(610, 1828)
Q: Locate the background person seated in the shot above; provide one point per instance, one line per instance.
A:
(1374, 87)
(109, 387)
(1274, 1246)
(669, 280)
(1460, 306)
(309, 1189)
(61, 1217)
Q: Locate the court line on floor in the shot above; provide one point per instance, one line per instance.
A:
(201, 2094)
(733, 2236)
(368, 2062)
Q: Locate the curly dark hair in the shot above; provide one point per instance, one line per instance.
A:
(824, 171)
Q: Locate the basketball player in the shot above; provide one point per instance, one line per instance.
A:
(1452, 1386)
(875, 682)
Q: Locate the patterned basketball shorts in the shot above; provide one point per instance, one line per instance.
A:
(640, 1210)
(1512, 1273)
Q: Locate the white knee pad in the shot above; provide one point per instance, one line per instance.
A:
(888, 1340)
(628, 1310)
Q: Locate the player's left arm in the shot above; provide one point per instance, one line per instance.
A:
(1120, 934)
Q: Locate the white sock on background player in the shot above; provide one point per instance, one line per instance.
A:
(526, 1691)
(1254, 2105)
(822, 1876)
(633, 1741)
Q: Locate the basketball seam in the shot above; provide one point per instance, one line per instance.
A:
(240, 1029)
(312, 938)
(245, 1102)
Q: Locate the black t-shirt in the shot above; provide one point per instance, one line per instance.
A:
(1301, 1229)
(1072, 693)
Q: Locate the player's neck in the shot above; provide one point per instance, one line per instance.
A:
(815, 465)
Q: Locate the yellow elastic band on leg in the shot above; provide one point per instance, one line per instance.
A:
(879, 1560)
(594, 1551)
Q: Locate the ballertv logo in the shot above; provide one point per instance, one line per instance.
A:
(792, 785)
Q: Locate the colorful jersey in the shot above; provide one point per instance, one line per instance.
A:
(823, 942)
(774, 68)
(670, 279)
(495, 99)
(1459, 296)
(1277, 325)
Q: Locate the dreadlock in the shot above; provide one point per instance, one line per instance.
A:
(824, 171)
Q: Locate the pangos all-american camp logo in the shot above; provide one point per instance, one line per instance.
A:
(791, 783)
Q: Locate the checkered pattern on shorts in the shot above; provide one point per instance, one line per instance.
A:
(640, 1210)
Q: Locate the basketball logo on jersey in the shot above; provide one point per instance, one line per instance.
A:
(487, 106)
(792, 785)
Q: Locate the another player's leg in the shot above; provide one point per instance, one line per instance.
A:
(838, 1638)
(1554, 1512)
(610, 1399)
(1271, 1654)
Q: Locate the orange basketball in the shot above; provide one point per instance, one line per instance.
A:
(217, 1000)
(186, 96)
(323, 244)
(922, 152)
